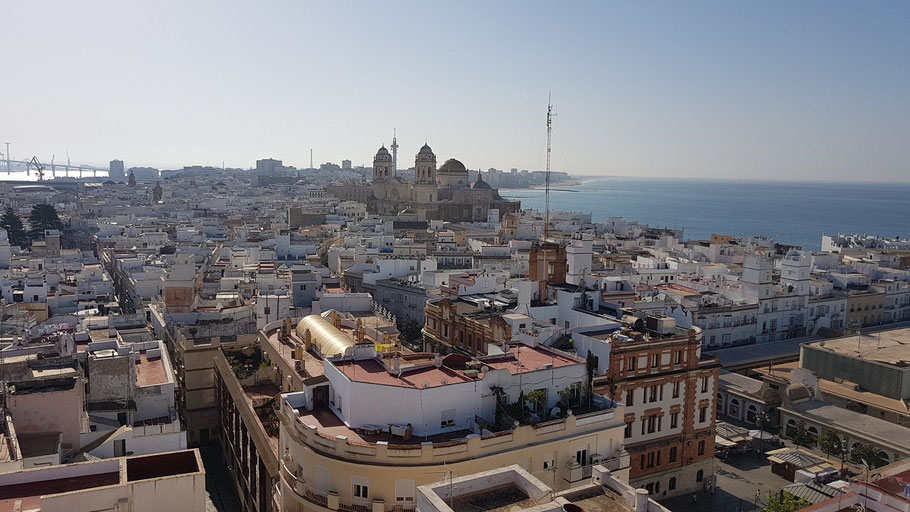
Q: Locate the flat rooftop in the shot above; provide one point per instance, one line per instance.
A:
(312, 365)
(373, 372)
(524, 359)
(890, 347)
(495, 499)
(845, 389)
(597, 498)
(329, 426)
(29, 493)
(39, 444)
(421, 372)
(150, 372)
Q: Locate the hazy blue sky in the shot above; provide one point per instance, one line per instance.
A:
(789, 90)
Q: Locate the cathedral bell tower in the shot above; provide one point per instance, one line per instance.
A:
(425, 166)
(382, 166)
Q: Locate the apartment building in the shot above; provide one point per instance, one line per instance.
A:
(173, 481)
(669, 391)
(376, 426)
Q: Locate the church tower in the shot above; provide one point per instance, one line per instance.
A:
(382, 166)
(425, 166)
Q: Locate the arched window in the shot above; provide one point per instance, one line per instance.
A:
(813, 432)
(791, 428)
(672, 484)
(700, 475)
(751, 413)
(720, 404)
(734, 408)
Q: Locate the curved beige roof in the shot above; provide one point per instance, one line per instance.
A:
(329, 340)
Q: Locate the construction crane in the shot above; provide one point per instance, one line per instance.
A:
(39, 169)
(551, 112)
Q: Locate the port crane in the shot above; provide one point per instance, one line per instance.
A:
(39, 169)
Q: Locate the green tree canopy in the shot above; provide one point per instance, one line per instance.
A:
(801, 436)
(830, 442)
(43, 216)
(784, 502)
(868, 454)
(11, 222)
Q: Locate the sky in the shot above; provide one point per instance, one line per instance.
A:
(809, 90)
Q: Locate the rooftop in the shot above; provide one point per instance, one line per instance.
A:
(890, 347)
(330, 427)
(150, 371)
(862, 425)
(374, 372)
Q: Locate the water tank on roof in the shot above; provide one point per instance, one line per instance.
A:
(633, 322)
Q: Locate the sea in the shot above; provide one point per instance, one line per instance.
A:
(794, 213)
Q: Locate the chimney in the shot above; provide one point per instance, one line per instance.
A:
(438, 361)
(641, 500)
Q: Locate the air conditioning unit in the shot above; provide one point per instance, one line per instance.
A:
(298, 365)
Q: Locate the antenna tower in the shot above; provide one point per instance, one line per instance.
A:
(546, 218)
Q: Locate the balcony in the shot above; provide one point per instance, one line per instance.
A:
(330, 500)
(578, 472)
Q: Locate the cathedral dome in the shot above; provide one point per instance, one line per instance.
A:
(480, 184)
(426, 155)
(453, 166)
(382, 155)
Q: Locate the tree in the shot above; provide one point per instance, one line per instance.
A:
(800, 436)
(43, 216)
(867, 454)
(784, 502)
(14, 228)
(536, 399)
(830, 443)
(410, 330)
(591, 365)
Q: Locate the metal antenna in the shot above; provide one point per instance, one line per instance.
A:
(546, 218)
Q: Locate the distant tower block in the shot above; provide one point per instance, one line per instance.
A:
(394, 152)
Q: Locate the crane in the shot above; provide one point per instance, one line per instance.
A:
(546, 219)
(38, 167)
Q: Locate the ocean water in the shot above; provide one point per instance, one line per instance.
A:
(795, 213)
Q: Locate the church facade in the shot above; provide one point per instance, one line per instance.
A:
(444, 193)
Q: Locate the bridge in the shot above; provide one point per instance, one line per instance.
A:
(52, 170)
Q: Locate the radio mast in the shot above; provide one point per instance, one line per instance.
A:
(546, 218)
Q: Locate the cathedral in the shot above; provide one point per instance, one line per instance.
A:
(445, 193)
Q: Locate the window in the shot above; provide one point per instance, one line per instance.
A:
(655, 360)
(700, 475)
(671, 485)
(630, 364)
(644, 422)
(581, 457)
(361, 491)
(653, 394)
(678, 357)
(628, 432)
(701, 449)
(652, 424)
(674, 420)
(651, 459)
(704, 385)
(447, 419)
(676, 389)
(630, 398)
(702, 414)
(672, 454)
